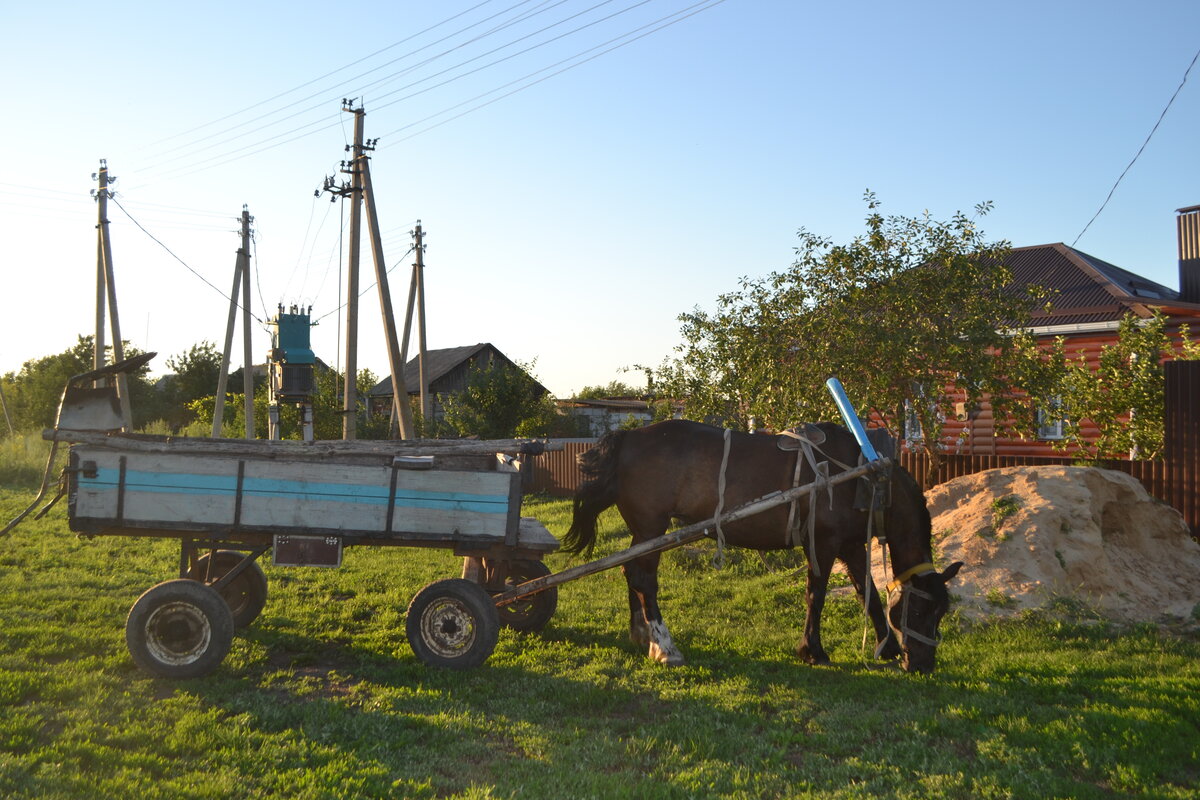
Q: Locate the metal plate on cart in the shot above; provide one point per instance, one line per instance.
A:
(307, 551)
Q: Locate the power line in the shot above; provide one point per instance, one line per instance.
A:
(1140, 149)
(180, 260)
(342, 68)
(710, 4)
(369, 288)
(325, 92)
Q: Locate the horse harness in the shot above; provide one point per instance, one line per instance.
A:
(908, 591)
(807, 439)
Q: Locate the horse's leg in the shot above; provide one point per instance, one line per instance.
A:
(646, 626)
(855, 557)
(810, 649)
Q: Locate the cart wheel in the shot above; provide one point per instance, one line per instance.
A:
(529, 614)
(179, 629)
(247, 594)
(452, 623)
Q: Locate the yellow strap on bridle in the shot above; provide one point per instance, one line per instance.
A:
(908, 573)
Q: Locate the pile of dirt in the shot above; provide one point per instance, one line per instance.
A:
(1033, 537)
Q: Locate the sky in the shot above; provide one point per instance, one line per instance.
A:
(584, 171)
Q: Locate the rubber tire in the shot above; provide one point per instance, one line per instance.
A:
(452, 623)
(530, 614)
(179, 629)
(246, 596)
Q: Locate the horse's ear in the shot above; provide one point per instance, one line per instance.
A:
(950, 571)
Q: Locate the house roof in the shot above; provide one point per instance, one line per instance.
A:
(438, 363)
(1087, 289)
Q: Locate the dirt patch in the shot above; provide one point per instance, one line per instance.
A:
(1032, 537)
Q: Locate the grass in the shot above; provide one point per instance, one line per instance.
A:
(322, 697)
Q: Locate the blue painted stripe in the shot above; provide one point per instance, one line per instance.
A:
(226, 486)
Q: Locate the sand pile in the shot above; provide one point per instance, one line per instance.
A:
(1032, 537)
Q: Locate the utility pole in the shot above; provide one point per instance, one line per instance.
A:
(241, 284)
(419, 291)
(358, 190)
(106, 290)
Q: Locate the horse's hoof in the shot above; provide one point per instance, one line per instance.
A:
(817, 659)
(671, 657)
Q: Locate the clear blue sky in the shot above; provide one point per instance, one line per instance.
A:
(571, 222)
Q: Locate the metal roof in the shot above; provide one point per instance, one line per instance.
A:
(1086, 289)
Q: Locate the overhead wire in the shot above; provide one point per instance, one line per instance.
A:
(325, 93)
(342, 68)
(374, 283)
(1140, 149)
(707, 4)
(186, 266)
(316, 126)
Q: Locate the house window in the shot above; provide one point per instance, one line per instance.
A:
(912, 424)
(1050, 420)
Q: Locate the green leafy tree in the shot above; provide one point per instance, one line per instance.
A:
(194, 375)
(1123, 396)
(500, 401)
(902, 313)
(613, 389)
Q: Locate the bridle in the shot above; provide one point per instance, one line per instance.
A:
(908, 591)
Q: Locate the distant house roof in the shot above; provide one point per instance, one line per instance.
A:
(438, 365)
(1087, 289)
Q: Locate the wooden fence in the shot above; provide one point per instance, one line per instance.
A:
(1173, 480)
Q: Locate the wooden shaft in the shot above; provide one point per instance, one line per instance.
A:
(682, 536)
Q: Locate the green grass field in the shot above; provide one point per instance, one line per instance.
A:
(322, 697)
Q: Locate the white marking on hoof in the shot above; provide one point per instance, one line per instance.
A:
(662, 649)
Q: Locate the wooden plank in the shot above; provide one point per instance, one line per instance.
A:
(287, 449)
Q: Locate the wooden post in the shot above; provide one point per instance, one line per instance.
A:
(110, 286)
(223, 376)
(241, 277)
(350, 404)
(419, 267)
(395, 361)
(247, 353)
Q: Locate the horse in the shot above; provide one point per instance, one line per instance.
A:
(672, 471)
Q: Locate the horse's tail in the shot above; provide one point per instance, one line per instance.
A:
(597, 492)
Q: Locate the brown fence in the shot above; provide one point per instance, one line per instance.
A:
(1174, 480)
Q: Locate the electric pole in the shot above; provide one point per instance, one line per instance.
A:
(241, 284)
(359, 190)
(106, 292)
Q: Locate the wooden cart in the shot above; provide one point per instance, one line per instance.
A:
(230, 501)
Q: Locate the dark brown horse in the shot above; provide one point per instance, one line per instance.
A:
(670, 471)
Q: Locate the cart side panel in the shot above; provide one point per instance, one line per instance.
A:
(132, 489)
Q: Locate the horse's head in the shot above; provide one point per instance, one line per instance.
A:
(916, 611)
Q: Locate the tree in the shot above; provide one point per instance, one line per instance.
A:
(500, 401)
(902, 314)
(1123, 397)
(195, 373)
(613, 389)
